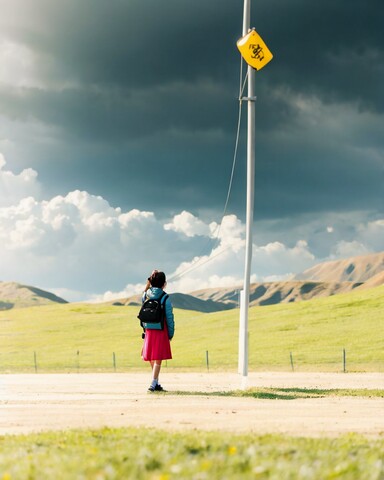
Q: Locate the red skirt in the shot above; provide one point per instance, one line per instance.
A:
(156, 345)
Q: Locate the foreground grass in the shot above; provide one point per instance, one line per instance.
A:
(311, 334)
(153, 454)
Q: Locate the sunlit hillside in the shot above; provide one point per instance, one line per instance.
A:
(312, 335)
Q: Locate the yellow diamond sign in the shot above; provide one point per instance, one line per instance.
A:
(254, 50)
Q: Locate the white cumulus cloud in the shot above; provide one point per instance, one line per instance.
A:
(224, 266)
(14, 188)
(189, 225)
(371, 234)
(345, 249)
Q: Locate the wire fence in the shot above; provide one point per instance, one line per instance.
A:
(333, 359)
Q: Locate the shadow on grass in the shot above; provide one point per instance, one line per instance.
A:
(264, 394)
(286, 393)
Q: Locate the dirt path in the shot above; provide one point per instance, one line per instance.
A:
(37, 402)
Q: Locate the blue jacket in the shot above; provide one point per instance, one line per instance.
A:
(155, 292)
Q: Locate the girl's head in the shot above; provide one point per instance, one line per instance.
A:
(157, 279)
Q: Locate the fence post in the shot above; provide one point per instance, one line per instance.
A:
(35, 361)
(207, 359)
(344, 361)
(291, 357)
(114, 361)
(78, 361)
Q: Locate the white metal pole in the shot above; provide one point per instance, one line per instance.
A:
(241, 334)
(246, 17)
(250, 200)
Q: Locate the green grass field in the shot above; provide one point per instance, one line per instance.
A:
(140, 454)
(83, 337)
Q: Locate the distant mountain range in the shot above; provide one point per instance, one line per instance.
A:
(277, 292)
(322, 280)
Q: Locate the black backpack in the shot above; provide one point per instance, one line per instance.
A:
(152, 313)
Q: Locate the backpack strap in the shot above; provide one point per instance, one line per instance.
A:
(164, 296)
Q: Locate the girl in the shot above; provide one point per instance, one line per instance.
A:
(157, 345)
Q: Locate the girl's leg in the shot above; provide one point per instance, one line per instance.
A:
(156, 365)
(156, 370)
(153, 383)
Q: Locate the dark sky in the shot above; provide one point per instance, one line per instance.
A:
(137, 102)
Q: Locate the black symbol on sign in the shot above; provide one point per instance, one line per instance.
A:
(257, 52)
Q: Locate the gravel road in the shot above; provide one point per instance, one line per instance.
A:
(39, 402)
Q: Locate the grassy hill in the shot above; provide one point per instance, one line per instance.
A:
(374, 281)
(80, 337)
(15, 295)
(271, 293)
(353, 269)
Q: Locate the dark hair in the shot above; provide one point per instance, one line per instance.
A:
(157, 279)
